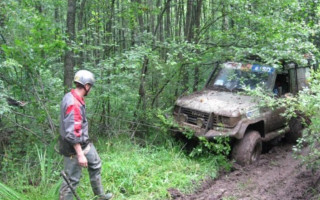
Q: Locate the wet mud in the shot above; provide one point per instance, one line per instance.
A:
(276, 176)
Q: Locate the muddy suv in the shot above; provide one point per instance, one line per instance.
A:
(221, 110)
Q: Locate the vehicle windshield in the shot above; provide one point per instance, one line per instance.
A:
(237, 76)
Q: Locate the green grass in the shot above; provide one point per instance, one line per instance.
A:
(129, 171)
(134, 172)
(7, 193)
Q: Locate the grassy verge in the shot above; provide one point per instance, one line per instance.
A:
(134, 172)
(131, 171)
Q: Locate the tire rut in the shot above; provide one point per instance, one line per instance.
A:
(277, 176)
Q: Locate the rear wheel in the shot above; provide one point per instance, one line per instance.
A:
(248, 149)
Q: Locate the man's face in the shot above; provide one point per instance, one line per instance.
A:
(88, 87)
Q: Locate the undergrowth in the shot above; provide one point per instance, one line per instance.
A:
(130, 170)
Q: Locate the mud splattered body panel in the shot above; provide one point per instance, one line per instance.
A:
(220, 110)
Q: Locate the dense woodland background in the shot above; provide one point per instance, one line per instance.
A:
(144, 53)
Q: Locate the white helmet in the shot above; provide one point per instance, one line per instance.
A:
(84, 77)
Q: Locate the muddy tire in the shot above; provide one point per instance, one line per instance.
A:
(248, 149)
(296, 128)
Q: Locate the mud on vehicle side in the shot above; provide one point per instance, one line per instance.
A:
(220, 110)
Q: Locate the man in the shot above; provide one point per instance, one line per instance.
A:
(74, 141)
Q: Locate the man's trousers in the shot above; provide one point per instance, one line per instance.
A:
(73, 172)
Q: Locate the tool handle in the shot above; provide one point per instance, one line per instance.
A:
(63, 174)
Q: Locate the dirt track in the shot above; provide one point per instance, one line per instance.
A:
(277, 176)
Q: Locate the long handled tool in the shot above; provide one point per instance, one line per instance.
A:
(63, 174)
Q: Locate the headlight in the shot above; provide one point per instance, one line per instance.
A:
(200, 122)
(229, 121)
(183, 117)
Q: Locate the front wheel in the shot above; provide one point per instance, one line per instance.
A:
(248, 149)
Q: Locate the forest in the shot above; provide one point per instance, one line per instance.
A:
(144, 55)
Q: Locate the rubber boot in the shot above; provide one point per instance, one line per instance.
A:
(94, 168)
(106, 196)
(98, 189)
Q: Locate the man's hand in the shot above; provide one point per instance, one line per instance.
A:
(82, 160)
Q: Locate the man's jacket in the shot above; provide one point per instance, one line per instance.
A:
(73, 123)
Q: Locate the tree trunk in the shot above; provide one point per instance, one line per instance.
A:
(197, 37)
(142, 89)
(159, 22)
(152, 17)
(197, 19)
(188, 23)
(140, 17)
(69, 54)
(80, 27)
(168, 21)
(107, 52)
(176, 22)
(160, 25)
(224, 25)
(56, 20)
(108, 28)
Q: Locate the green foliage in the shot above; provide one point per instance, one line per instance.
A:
(114, 43)
(265, 99)
(4, 107)
(274, 31)
(7, 193)
(130, 171)
(219, 147)
(134, 172)
(307, 103)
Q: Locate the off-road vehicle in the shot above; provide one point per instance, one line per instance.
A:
(220, 109)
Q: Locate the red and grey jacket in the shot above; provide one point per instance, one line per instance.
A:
(73, 121)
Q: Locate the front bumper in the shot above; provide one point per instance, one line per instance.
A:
(214, 132)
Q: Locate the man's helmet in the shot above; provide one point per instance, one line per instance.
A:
(83, 77)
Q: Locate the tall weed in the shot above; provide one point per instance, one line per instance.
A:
(7, 193)
(131, 171)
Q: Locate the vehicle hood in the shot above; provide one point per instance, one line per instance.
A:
(219, 102)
